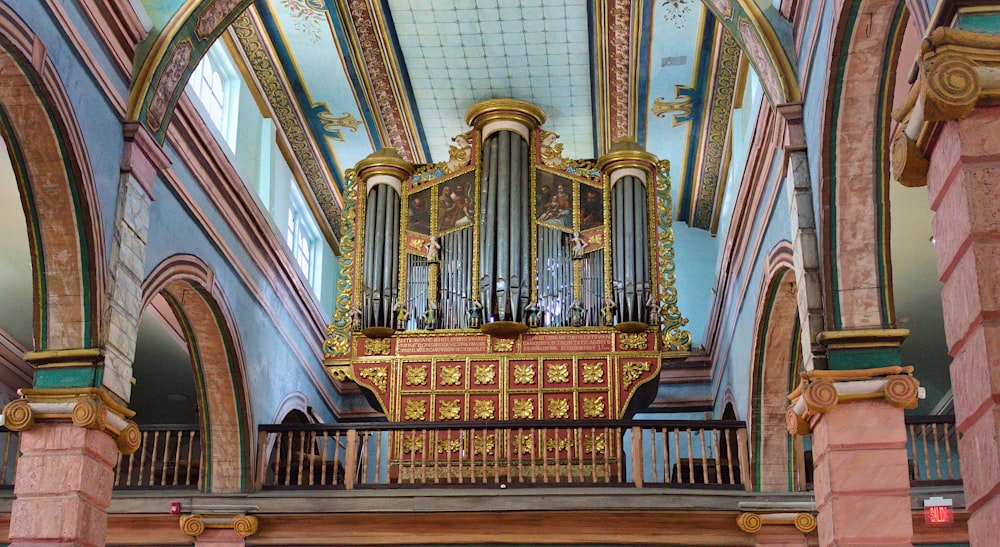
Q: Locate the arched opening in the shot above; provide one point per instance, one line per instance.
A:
(185, 313)
(776, 358)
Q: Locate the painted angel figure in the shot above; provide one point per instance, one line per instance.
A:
(579, 245)
(432, 247)
(354, 316)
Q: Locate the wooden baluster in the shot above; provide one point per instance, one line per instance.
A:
(288, 458)
(652, 452)
(555, 452)
(423, 457)
(437, 470)
(472, 454)
(542, 434)
(611, 443)
(7, 458)
(927, 464)
(666, 455)
(593, 455)
(447, 455)
(578, 434)
(742, 447)
(312, 457)
(947, 449)
(496, 456)
(131, 460)
(911, 443)
(704, 457)
(729, 455)
(519, 448)
(177, 458)
(464, 448)
(151, 476)
(690, 458)
(142, 458)
(677, 450)
(336, 457)
(569, 456)
(937, 453)
(718, 456)
(366, 438)
(378, 457)
(118, 469)
(638, 468)
(190, 456)
(166, 451)
(322, 459)
(351, 459)
(302, 452)
(621, 474)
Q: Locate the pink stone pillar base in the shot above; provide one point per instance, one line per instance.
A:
(62, 486)
(783, 536)
(219, 538)
(964, 193)
(861, 475)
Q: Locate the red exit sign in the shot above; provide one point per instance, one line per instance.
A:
(939, 511)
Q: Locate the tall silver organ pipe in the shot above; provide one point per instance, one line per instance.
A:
(628, 169)
(382, 174)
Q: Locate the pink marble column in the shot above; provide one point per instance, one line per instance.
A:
(963, 181)
(860, 475)
(219, 537)
(62, 486)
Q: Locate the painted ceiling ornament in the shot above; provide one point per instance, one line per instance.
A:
(169, 80)
(676, 10)
(308, 15)
(724, 8)
(681, 108)
(331, 122)
(760, 59)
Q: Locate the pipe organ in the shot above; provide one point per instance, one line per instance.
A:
(509, 282)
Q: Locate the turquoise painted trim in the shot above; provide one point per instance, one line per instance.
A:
(985, 23)
(63, 377)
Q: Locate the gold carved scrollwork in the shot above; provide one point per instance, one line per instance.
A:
(633, 341)
(632, 370)
(449, 445)
(558, 409)
(594, 444)
(593, 373)
(523, 409)
(451, 375)
(503, 345)
(485, 374)
(524, 443)
(413, 444)
(376, 375)
(377, 346)
(483, 410)
(593, 407)
(557, 373)
(416, 375)
(524, 374)
(553, 445)
(415, 410)
(448, 410)
(671, 320)
(338, 333)
(481, 444)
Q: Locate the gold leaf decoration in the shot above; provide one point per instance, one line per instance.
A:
(375, 375)
(483, 410)
(632, 370)
(481, 444)
(670, 318)
(633, 341)
(524, 409)
(524, 374)
(413, 444)
(377, 346)
(593, 407)
(485, 374)
(416, 375)
(594, 444)
(451, 375)
(448, 410)
(524, 443)
(553, 445)
(415, 410)
(558, 409)
(557, 373)
(449, 445)
(593, 373)
(503, 344)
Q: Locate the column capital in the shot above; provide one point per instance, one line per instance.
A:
(819, 391)
(752, 523)
(89, 407)
(958, 69)
(242, 524)
(142, 157)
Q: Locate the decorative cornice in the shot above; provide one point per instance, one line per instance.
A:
(958, 70)
(752, 523)
(819, 392)
(514, 110)
(625, 153)
(862, 338)
(195, 525)
(384, 162)
(90, 408)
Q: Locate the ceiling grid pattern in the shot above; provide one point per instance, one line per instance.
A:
(464, 51)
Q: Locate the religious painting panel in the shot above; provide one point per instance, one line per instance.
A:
(418, 212)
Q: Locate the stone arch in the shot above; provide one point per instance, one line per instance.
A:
(855, 164)
(293, 402)
(775, 359)
(188, 285)
(57, 191)
(196, 24)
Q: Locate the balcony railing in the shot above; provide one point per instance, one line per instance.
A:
(169, 456)
(620, 453)
(932, 449)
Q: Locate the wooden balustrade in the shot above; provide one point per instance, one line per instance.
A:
(169, 456)
(637, 453)
(932, 448)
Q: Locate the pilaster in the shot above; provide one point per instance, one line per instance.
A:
(855, 415)
(950, 142)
